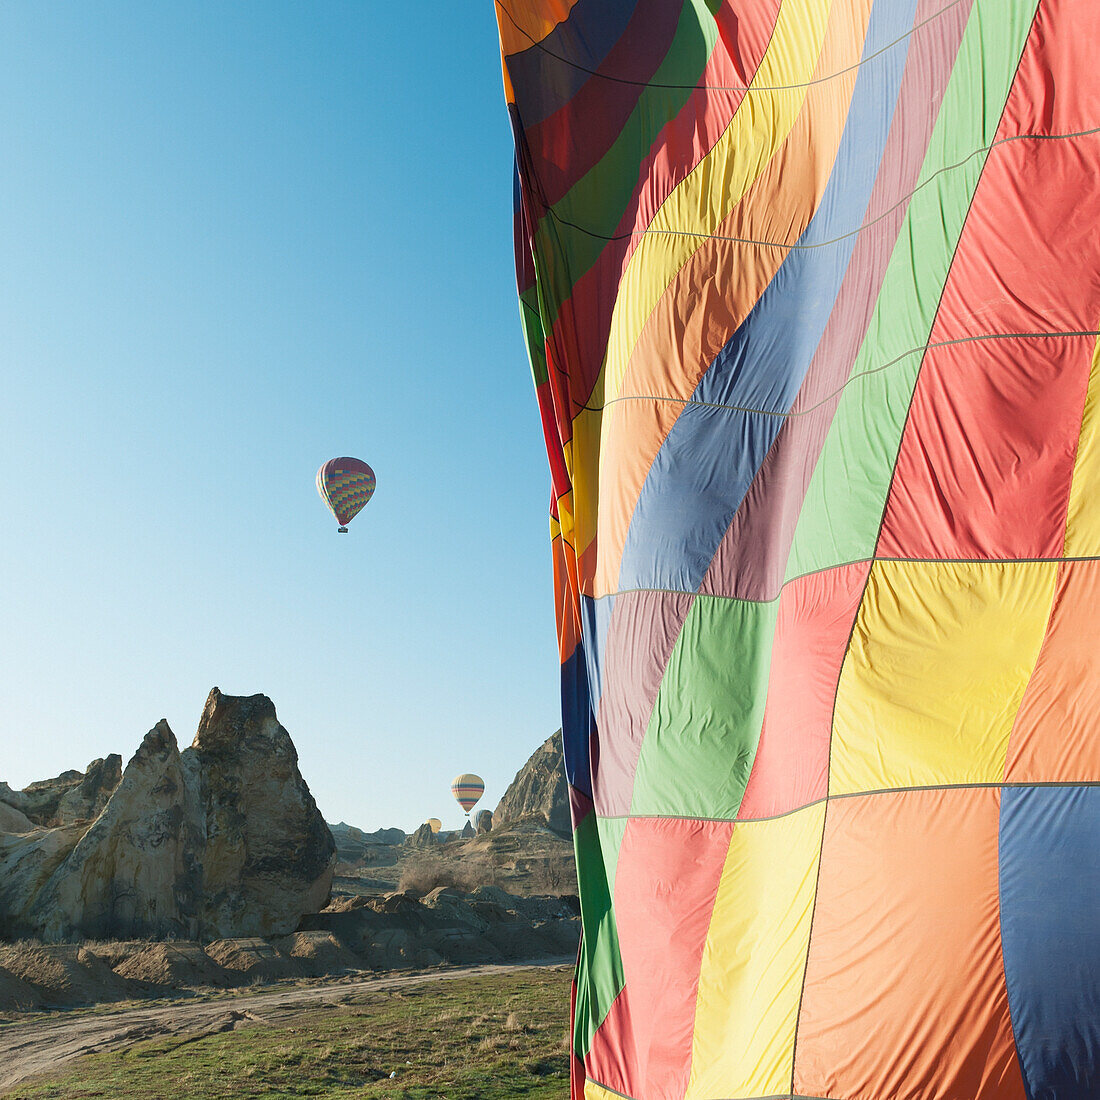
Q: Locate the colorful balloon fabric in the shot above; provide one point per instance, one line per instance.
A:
(345, 485)
(468, 789)
(811, 292)
(435, 824)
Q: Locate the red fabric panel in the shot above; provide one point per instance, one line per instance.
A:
(1056, 91)
(791, 767)
(665, 886)
(987, 456)
(1054, 738)
(905, 992)
(612, 1054)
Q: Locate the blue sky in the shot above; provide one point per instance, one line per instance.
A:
(237, 240)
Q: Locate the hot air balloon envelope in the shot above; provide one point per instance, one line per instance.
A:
(467, 789)
(345, 485)
(435, 824)
(811, 298)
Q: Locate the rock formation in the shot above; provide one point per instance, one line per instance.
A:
(221, 839)
(422, 838)
(68, 797)
(354, 845)
(484, 822)
(539, 791)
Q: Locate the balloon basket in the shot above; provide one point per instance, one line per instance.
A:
(342, 530)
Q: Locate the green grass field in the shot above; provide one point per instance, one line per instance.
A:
(485, 1038)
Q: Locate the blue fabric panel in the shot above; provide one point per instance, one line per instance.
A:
(1050, 928)
(576, 721)
(704, 469)
(595, 619)
(543, 81)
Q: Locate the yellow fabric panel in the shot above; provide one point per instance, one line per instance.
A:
(699, 204)
(755, 955)
(1083, 518)
(592, 1091)
(935, 673)
(585, 454)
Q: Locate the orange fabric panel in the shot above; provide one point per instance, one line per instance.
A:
(1055, 736)
(628, 450)
(524, 22)
(905, 992)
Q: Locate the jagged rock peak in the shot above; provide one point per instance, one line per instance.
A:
(539, 790)
(229, 720)
(223, 838)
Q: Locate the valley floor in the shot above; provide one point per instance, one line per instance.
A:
(484, 1032)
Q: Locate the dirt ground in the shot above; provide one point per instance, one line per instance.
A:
(44, 1042)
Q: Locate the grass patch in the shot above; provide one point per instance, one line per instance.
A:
(486, 1038)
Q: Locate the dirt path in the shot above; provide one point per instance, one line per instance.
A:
(45, 1042)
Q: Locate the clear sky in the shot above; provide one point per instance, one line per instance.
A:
(237, 240)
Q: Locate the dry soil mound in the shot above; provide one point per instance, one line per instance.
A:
(177, 965)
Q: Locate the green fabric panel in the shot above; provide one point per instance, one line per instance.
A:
(702, 735)
(599, 198)
(847, 494)
(533, 335)
(599, 967)
(611, 831)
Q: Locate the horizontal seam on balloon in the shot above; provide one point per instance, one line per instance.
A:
(795, 247)
(771, 1096)
(728, 87)
(1010, 784)
(845, 565)
(930, 346)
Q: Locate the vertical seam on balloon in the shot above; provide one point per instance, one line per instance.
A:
(1001, 938)
(824, 825)
(691, 598)
(1093, 376)
(706, 940)
(882, 521)
(1060, 573)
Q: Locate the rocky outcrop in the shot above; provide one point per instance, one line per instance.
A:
(484, 822)
(13, 820)
(392, 930)
(222, 839)
(68, 797)
(354, 846)
(268, 855)
(422, 838)
(136, 870)
(539, 790)
(87, 799)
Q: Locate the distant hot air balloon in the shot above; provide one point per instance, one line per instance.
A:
(467, 789)
(435, 824)
(345, 485)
